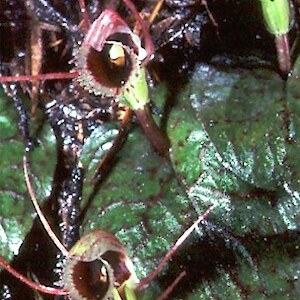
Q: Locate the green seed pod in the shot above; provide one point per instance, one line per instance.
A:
(136, 95)
(277, 16)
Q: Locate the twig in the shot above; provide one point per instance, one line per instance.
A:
(49, 76)
(85, 15)
(155, 11)
(148, 41)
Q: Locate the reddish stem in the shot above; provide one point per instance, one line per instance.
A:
(283, 53)
(36, 286)
(148, 41)
(49, 76)
(157, 139)
(174, 248)
(85, 15)
(106, 162)
(171, 287)
(36, 205)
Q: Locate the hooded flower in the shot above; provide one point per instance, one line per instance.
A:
(110, 56)
(96, 265)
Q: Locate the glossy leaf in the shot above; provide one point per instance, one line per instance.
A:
(232, 145)
(235, 142)
(16, 212)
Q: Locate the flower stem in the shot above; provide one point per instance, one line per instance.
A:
(158, 140)
(283, 53)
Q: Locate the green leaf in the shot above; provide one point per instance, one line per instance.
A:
(139, 198)
(234, 142)
(16, 211)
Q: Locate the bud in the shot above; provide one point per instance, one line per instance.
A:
(276, 15)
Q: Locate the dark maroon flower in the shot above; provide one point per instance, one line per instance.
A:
(96, 264)
(109, 55)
